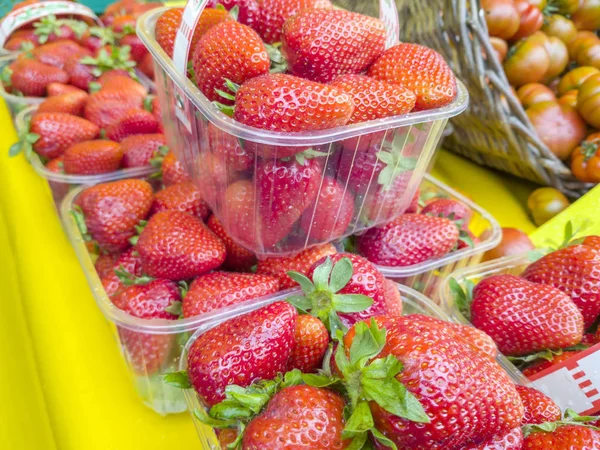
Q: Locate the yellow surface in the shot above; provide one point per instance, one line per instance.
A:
(63, 384)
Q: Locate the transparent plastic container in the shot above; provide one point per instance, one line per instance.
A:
(413, 138)
(413, 303)
(133, 333)
(426, 277)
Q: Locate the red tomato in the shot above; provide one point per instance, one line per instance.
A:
(575, 78)
(502, 18)
(531, 19)
(545, 203)
(588, 100)
(514, 242)
(532, 93)
(587, 16)
(528, 61)
(585, 162)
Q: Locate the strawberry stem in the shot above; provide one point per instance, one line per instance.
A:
(463, 297)
(570, 418)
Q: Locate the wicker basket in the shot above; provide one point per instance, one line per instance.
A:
(495, 130)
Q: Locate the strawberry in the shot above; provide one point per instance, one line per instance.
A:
(228, 51)
(172, 170)
(569, 437)
(228, 150)
(139, 149)
(93, 157)
(178, 246)
(393, 300)
(374, 99)
(388, 198)
(80, 75)
(539, 408)
(83, 71)
(296, 417)
(592, 241)
(248, 10)
(335, 206)
(217, 290)
(56, 53)
(56, 165)
(420, 69)
(122, 22)
(575, 270)
(70, 103)
(105, 263)
(147, 352)
(115, 79)
(321, 44)
(134, 121)
(311, 343)
(511, 440)
(279, 266)
(239, 215)
(30, 77)
(360, 168)
(108, 106)
(183, 197)
(410, 239)
(238, 258)
(469, 240)
(112, 210)
(58, 131)
(138, 49)
(146, 66)
(94, 38)
(128, 262)
(449, 208)
(524, 317)
(51, 29)
(542, 365)
(306, 105)
(243, 349)
(61, 88)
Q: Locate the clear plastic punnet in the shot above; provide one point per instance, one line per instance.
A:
(413, 302)
(426, 277)
(202, 136)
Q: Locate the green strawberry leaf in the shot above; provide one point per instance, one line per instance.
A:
(5, 76)
(383, 368)
(462, 298)
(206, 419)
(383, 439)
(225, 95)
(175, 309)
(350, 303)
(341, 360)
(367, 344)
(225, 109)
(305, 283)
(15, 149)
(292, 378)
(393, 396)
(278, 62)
(301, 303)
(79, 218)
(129, 279)
(107, 35)
(360, 421)
(466, 238)
(321, 274)
(177, 379)
(341, 274)
(547, 355)
(233, 12)
(334, 324)
(318, 380)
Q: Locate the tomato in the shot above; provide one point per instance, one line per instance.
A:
(532, 93)
(545, 203)
(565, 7)
(560, 27)
(588, 100)
(539, 4)
(559, 58)
(500, 47)
(528, 61)
(574, 79)
(570, 98)
(502, 18)
(587, 16)
(585, 162)
(558, 126)
(587, 51)
(531, 19)
(514, 242)
(581, 40)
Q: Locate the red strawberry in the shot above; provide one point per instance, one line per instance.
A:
(541, 365)
(139, 149)
(592, 241)
(296, 417)
(183, 197)
(134, 121)
(248, 10)
(147, 352)
(539, 408)
(94, 38)
(450, 209)
(575, 270)
(524, 317)
(374, 99)
(30, 77)
(93, 157)
(387, 198)
(361, 168)
(279, 266)
(61, 88)
(121, 22)
(178, 246)
(393, 299)
(80, 75)
(112, 210)
(414, 205)
(217, 290)
(590, 339)
(228, 150)
(146, 66)
(469, 241)
(105, 263)
(58, 131)
(410, 239)
(238, 258)
(70, 103)
(321, 44)
(172, 170)
(138, 49)
(56, 165)
(130, 262)
(241, 350)
(420, 69)
(511, 440)
(230, 51)
(312, 340)
(108, 106)
(116, 79)
(56, 53)
(240, 214)
(568, 437)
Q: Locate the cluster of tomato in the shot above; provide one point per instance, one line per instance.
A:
(550, 53)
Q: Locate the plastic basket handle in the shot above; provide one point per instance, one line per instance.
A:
(16, 19)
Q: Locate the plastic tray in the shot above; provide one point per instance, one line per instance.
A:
(413, 136)
(413, 303)
(426, 276)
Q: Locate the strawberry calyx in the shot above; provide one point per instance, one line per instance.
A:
(157, 160)
(79, 218)
(570, 418)
(106, 35)
(463, 296)
(321, 294)
(148, 103)
(395, 164)
(233, 88)
(5, 76)
(309, 153)
(24, 144)
(119, 58)
(128, 279)
(138, 228)
(128, 29)
(94, 87)
(546, 355)
(278, 62)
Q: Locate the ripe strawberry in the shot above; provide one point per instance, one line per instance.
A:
(541, 365)
(139, 149)
(393, 299)
(387, 198)
(61, 88)
(321, 44)
(592, 241)
(575, 270)
(112, 210)
(122, 22)
(134, 121)
(229, 51)
(264, 337)
(238, 258)
(30, 77)
(410, 239)
(361, 168)
(178, 246)
(146, 66)
(138, 49)
(183, 197)
(108, 106)
(94, 38)
(311, 342)
(56, 165)
(420, 69)
(248, 10)
(374, 99)
(80, 75)
(105, 263)
(93, 157)
(511, 440)
(147, 352)
(539, 408)
(568, 437)
(58, 131)
(279, 266)
(306, 105)
(299, 416)
(130, 262)
(450, 209)
(56, 53)
(240, 214)
(228, 151)
(524, 317)
(70, 103)
(116, 79)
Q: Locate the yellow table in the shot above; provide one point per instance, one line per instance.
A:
(63, 384)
